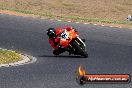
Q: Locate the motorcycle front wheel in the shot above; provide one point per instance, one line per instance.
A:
(79, 49)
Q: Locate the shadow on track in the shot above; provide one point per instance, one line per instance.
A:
(61, 56)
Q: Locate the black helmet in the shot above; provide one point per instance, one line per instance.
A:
(51, 33)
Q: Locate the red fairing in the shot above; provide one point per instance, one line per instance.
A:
(51, 43)
(54, 42)
(68, 28)
(58, 31)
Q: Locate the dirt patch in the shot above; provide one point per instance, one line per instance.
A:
(16, 13)
(110, 9)
(36, 16)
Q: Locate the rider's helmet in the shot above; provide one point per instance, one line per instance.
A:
(51, 33)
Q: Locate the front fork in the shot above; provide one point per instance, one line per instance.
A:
(82, 43)
(71, 48)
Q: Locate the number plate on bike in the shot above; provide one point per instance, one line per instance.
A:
(64, 35)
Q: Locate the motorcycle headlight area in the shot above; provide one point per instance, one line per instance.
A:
(64, 35)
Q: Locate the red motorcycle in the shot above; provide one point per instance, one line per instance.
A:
(71, 41)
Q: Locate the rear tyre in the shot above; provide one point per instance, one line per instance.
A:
(81, 51)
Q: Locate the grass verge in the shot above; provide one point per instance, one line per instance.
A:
(113, 12)
(7, 56)
(72, 18)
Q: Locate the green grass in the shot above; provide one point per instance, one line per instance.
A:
(7, 56)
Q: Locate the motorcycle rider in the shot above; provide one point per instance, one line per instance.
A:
(54, 41)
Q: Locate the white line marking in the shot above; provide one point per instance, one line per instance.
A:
(59, 20)
(77, 22)
(86, 23)
(68, 21)
(94, 24)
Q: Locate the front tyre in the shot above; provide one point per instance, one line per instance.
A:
(79, 49)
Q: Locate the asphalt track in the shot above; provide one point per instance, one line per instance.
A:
(110, 51)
